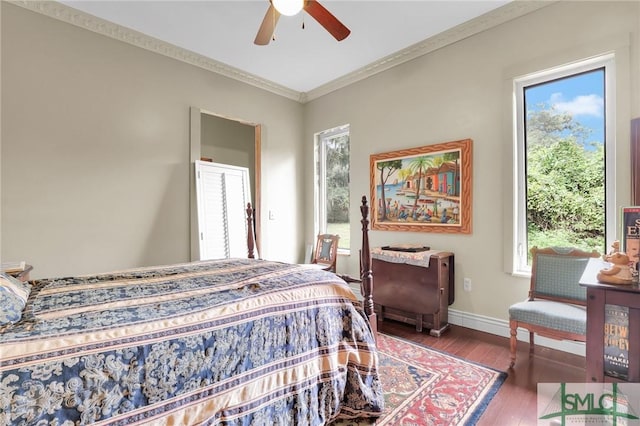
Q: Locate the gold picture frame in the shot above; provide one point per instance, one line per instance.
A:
(425, 189)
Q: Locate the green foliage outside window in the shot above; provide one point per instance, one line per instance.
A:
(565, 183)
(337, 188)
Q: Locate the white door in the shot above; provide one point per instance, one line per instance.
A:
(222, 194)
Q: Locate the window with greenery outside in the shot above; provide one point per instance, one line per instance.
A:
(335, 151)
(565, 182)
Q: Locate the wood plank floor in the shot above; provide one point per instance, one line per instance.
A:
(516, 401)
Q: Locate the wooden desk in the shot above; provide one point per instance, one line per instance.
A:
(619, 298)
(412, 293)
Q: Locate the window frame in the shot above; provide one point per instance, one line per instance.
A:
(606, 62)
(320, 187)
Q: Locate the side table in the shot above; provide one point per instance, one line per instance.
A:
(613, 328)
(416, 288)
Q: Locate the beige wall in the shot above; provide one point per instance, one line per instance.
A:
(227, 141)
(231, 142)
(95, 150)
(463, 91)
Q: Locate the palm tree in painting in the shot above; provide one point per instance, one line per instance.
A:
(417, 166)
(386, 169)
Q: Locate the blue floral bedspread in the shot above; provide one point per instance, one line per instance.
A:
(234, 342)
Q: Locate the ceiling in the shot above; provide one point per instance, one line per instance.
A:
(299, 61)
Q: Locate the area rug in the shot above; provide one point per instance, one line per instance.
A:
(423, 386)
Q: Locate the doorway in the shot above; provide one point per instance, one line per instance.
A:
(228, 141)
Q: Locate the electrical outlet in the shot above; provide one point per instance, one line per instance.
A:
(272, 215)
(467, 284)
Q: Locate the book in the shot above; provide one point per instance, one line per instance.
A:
(616, 341)
(630, 234)
(13, 267)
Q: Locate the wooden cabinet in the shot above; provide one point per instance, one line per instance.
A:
(414, 288)
(613, 328)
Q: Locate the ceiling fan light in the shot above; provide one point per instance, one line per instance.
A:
(288, 7)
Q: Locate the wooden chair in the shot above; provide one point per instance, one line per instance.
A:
(556, 306)
(326, 252)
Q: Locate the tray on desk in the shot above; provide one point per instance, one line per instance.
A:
(406, 249)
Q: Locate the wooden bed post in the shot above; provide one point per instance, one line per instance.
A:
(250, 238)
(365, 268)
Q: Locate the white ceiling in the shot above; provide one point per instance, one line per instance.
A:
(299, 60)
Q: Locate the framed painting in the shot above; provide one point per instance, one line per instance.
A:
(424, 189)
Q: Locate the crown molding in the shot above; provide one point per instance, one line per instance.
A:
(89, 22)
(482, 23)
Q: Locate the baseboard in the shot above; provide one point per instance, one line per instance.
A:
(501, 328)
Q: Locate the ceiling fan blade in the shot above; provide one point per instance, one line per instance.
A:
(326, 19)
(268, 26)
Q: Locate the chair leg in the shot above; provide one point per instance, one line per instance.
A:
(513, 341)
(530, 343)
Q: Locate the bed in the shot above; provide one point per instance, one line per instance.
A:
(227, 341)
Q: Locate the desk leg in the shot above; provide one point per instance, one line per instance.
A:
(436, 332)
(595, 330)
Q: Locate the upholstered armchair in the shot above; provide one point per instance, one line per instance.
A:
(556, 306)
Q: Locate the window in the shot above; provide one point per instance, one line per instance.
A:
(564, 146)
(332, 184)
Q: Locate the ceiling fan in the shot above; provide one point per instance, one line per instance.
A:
(292, 7)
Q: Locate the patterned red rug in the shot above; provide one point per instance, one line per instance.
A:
(425, 387)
